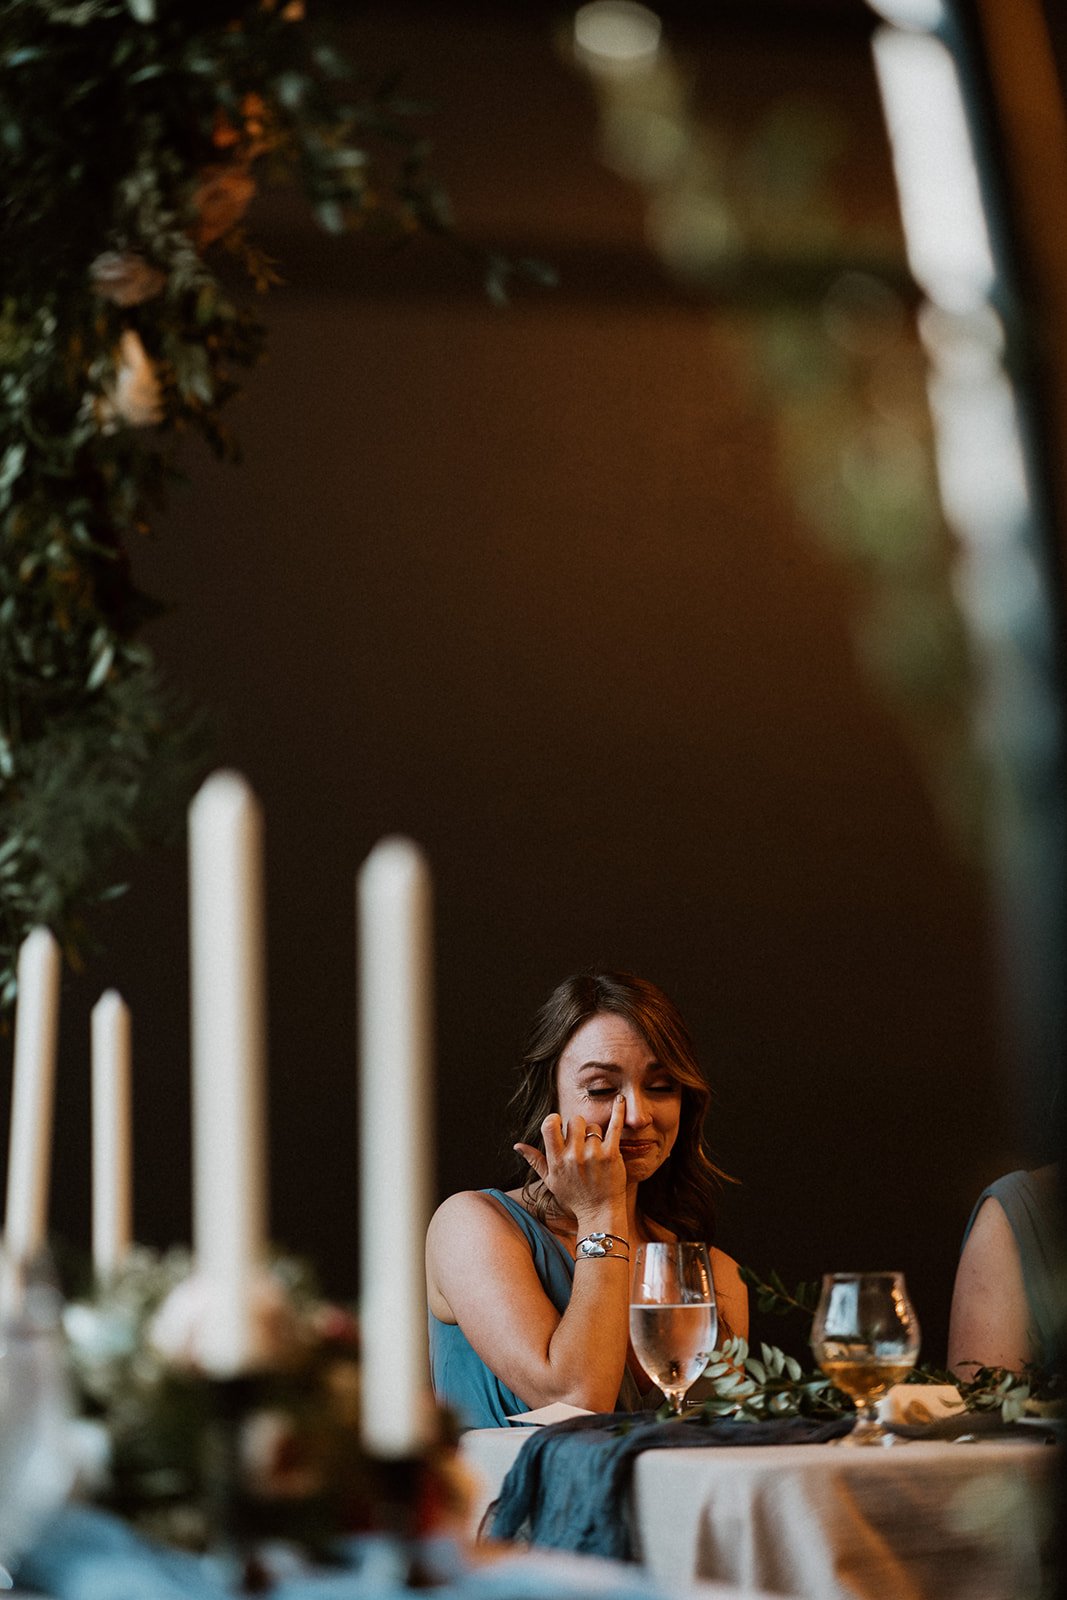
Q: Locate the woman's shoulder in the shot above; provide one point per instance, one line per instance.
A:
(725, 1271)
(475, 1210)
(731, 1291)
(469, 1228)
(466, 1204)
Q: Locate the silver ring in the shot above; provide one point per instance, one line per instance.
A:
(594, 1133)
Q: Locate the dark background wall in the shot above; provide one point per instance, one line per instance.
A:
(532, 586)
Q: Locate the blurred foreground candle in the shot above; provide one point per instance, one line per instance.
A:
(396, 1175)
(32, 1095)
(229, 1049)
(112, 1201)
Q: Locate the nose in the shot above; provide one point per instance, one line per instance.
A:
(638, 1114)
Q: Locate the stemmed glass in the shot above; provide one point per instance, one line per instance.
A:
(36, 1460)
(673, 1318)
(865, 1337)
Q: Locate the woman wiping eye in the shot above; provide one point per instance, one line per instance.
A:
(529, 1288)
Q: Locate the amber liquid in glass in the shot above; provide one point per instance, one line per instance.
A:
(865, 1379)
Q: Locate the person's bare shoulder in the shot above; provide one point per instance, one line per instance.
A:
(462, 1229)
(988, 1323)
(730, 1292)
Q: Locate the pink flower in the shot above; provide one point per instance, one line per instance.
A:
(125, 278)
(334, 1325)
(278, 1464)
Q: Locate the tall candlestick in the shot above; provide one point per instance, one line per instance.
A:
(229, 1065)
(33, 1094)
(396, 1173)
(112, 1138)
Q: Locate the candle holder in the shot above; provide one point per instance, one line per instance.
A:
(231, 1522)
(419, 1507)
(305, 1481)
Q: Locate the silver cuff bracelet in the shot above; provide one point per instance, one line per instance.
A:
(601, 1244)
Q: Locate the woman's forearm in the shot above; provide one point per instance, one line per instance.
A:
(586, 1355)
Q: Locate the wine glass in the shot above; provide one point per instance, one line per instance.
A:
(36, 1460)
(673, 1319)
(865, 1337)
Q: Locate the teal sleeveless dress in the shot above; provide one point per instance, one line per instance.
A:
(461, 1379)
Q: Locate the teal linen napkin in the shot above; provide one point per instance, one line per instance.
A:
(568, 1488)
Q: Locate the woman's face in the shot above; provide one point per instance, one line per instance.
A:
(606, 1057)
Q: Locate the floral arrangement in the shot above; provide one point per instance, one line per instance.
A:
(191, 1460)
(136, 134)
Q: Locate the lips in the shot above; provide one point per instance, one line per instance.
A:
(636, 1147)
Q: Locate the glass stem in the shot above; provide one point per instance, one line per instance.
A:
(867, 1420)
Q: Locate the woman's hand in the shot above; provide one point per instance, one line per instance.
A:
(581, 1166)
(481, 1274)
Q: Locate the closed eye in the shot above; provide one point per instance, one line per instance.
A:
(603, 1091)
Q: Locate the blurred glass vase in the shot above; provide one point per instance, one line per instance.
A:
(36, 1456)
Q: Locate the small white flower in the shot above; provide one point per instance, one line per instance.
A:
(136, 395)
(99, 1335)
(125, 278)
(90, 1447)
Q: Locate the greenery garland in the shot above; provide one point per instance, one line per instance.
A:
(774, 1384)
(133, 136)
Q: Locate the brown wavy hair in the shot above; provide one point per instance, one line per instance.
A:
(681, 1196)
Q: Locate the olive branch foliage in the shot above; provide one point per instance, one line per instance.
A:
(133, 135)
(753, 1388)
(774, 1299)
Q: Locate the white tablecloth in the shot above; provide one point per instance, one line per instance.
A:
(922, 1521)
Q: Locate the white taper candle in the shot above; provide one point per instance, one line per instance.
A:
(228, 991)
(112, 1135)
(396, 1157)
(32, 1095)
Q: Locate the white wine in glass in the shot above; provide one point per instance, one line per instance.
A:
(673, 1318)
(865, 1337)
